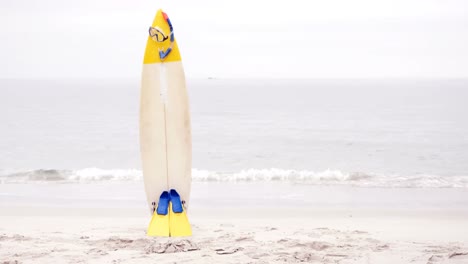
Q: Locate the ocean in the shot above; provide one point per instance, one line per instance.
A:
(366, 133)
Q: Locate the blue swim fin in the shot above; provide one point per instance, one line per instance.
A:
(179, 223)
(159, 225)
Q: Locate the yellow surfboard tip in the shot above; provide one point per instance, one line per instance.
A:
(160, 38)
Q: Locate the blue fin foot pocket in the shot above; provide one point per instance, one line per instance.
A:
(176, 202)
(163, 204)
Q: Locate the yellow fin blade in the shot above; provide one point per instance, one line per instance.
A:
(159, 225)
(179, 223)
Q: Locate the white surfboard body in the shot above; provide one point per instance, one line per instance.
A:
(165, 133)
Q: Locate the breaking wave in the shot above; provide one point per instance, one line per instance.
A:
(327, 177)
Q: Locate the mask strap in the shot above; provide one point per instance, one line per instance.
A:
(163, 54)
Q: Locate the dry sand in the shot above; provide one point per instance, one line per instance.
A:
(235, 235)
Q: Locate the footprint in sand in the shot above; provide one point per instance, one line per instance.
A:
(256, 255)
(244, 239)
(435, 258)
(96, 251)
(459, 256)
(228, 250)
(454, 257)
(305, 257)
(318, 246)
(315, 245)
(15, 237)
(172, 247)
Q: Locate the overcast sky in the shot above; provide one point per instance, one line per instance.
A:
(254, 38)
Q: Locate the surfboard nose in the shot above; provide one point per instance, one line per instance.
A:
(159, 13)
(160, 18)
(161, 45)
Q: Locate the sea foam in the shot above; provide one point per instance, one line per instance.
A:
(326, 177)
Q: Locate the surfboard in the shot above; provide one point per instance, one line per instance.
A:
(165, 133)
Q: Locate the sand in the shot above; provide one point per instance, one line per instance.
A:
(241, 236)
(247, 223)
